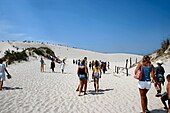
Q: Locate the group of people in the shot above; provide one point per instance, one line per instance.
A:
(83, 75)
(52, 65)
(103, 65)
(151, 74)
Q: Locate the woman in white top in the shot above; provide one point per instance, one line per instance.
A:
(96, 73)
(62, 66)
(2, 73)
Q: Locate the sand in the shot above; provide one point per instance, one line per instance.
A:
(31, 91)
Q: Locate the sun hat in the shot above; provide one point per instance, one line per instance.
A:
(159, 62)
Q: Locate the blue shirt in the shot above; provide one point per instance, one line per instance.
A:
(146, 70)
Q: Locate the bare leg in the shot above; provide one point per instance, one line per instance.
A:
(80, 87)
(43, 68)
(144, 100)
(97, 81)
(164, 103)
(95, 84)
(85, 86)
(160, 88)
(1, 84)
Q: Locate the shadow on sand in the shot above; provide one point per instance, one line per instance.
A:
(11, 88)
(158, 111)
(101, 91)
(50, 72)
(107, 73)
(56, 72)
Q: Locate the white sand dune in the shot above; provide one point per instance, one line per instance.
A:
(30, 91)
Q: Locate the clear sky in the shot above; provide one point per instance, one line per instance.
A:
(114, 26)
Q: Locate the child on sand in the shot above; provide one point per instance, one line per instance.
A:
(62, 66)
(166, 95)
(2, 73)
(42, 64)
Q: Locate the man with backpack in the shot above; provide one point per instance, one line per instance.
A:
(160, 79)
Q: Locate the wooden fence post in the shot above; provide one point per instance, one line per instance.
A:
(130, 62)
(126, 63)
(127, 71)
(117, 70)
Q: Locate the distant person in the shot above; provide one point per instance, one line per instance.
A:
(42, 64)
(2, 73)
(79, 62)
(85, 58)
(160, 79)
(166, 95)
(73, 61)
(103, 67)
(82, 74)
(145, 83)
(62, 66)
(90, 65)
(108, 65)
(96, 73)
(52, 65)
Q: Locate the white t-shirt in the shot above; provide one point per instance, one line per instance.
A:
(2, 72)
(62, 65)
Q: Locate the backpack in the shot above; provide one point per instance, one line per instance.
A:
(160, 78)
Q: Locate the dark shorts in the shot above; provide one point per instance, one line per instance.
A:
(96, 76)
(82, 77)
(164, 96)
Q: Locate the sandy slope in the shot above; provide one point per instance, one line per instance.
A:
(30, 91)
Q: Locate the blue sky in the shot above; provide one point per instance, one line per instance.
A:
(114, 26)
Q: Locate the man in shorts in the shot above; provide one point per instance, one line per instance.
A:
(166, 95)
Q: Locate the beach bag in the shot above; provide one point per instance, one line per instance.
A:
(138, 74)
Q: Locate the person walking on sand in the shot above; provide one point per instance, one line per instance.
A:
(108, 65)
(96, 73)
(90, 65)
(62, 66)
(2, 73)
(103, 67)
(145, 83)
(160, 79)
(42, 64)
(82, 74)
(85, 60)
(52, 65)
(166, 95)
